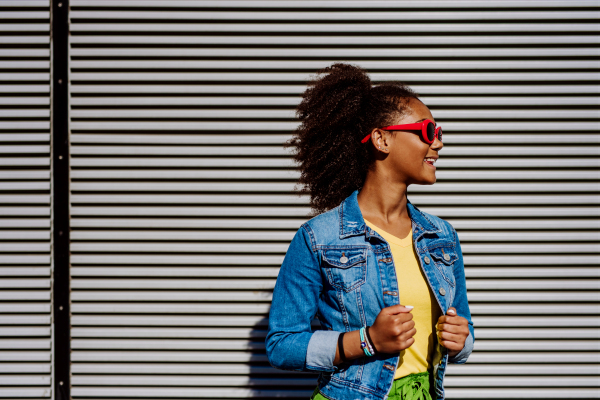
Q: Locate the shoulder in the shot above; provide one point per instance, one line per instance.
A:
(322, 224)
(443, 225)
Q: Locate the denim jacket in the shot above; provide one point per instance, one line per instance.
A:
(342, 272)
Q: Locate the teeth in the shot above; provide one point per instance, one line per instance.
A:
(432, 160)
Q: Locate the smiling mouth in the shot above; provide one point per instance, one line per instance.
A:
(431, 161)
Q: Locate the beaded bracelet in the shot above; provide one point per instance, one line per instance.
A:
(371, 341)
(364, 344)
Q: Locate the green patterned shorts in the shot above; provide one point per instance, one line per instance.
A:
(410, 387)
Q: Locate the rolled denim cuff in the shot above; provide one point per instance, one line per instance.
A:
(321, 351)
(464, 354)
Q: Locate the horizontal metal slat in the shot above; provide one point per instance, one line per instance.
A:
(345, 40)
(42, 319)
(516, 91)
(24, 308)
(23, 356)
(335, 4)
(169, 308)
(281, 248)
(293, 101)
(262, 187)
(296, 15)
(25, 234)
(253, 333)
(32, 295)
(440, 114)
(491, 175)
(286, 236)
(25, 368)
(208, 308)
(167, 320)
(171, 295)
(242, 369)
(25, 331)
(237, 223)
(450, 77)
(326, 28)
(25, 212)
(448, 53)
(25, 380)
(25, 223)
(552, 212)
(533, 272)
(174, 259)
(224, 381)
(23, 344)
(508, 162)
(29, 161)
(280, 139)
(401, 64)
(169, 356)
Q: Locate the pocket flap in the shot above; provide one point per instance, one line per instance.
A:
(447, 255)
(344, 258)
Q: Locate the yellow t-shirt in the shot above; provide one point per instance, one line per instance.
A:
(413, 291)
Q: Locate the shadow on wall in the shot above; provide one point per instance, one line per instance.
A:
(267, 382)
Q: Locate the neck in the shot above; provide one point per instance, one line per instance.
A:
(383, 199)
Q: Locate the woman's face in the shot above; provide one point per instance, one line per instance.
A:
(409, 159)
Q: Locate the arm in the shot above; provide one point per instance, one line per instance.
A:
(291, 344)
(461, 304)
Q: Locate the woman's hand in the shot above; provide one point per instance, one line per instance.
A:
(393, 329)
(452, 331)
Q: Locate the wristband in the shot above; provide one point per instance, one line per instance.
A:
(363, 342)
(371, 341)
(341, 347)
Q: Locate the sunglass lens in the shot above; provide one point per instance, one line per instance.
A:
(430, 132)
(439, 132)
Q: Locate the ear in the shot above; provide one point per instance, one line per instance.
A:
(379, 139)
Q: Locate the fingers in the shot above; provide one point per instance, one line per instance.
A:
(453, 328)
(450, 337)
(397, 309)
(450, 345)
(451, 311)
(445, 319)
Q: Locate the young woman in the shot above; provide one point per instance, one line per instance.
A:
(385, 279)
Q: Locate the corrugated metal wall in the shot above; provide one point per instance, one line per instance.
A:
(25, 270)
(183, 203)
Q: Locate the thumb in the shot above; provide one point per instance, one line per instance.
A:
(451, 311)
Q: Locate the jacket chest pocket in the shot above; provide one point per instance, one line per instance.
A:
(346, 269)
(444, 258)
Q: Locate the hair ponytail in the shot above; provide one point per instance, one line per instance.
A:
(337, 110)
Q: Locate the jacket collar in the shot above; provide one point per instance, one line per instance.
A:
(352, 222)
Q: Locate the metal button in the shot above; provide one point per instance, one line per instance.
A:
(442, 291)
(427, 260)
(343, 259)
(446, 257)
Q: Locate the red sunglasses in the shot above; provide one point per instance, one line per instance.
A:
(426, 129)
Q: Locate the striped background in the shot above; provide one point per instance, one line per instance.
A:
(182, 196)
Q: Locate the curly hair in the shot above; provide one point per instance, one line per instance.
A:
(338, 109)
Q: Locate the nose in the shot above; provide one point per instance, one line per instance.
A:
(437, 144)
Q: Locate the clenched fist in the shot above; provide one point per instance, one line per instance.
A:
(452, 331)
(393, 329)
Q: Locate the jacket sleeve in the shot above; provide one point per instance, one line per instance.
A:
(461, 304)
(291, 344)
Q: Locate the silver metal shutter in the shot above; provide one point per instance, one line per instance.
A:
(25, 270)
(182, 195)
